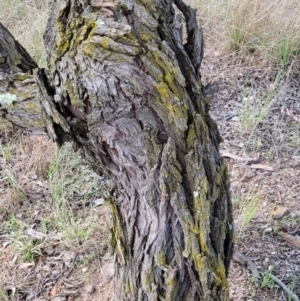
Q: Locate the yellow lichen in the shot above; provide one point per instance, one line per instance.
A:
(163, 91)
(169, 71)
(202, 207)
(160, 258)
(74, 97)
(221, 279)
(145, 36)
(105, 42)
(147, 279)
(191, 137)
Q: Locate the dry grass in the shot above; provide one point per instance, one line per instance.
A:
(269, 29)
(26, 20)
(46, 213)
(39, 153)
(245, 210)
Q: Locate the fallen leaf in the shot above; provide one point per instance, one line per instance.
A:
(54, 290)
(280, 212)
(261, 166)
(228, 154)
(294, 241)
(25, 265)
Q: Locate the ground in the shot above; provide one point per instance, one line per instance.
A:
(257, 113)
(54, 230)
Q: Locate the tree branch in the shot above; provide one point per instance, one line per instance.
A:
(13, 57)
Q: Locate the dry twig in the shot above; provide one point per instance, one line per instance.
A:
(284, 287)
(241, 258)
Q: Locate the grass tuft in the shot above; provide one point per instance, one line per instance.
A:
(246, 209)
(267, 29)
(47, 211)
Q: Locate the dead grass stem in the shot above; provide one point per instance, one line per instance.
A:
(269, 29)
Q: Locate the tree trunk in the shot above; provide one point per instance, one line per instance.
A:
(126, 89)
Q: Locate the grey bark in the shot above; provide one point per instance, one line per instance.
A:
(122, 85)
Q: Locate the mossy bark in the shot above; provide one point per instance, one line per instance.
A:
(123, 86)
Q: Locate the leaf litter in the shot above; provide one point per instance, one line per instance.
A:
(255, 123)
(54, 226)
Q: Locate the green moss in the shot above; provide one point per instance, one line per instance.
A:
(171, 281)
(63, 46)
(203, 268)
(155, 149)
(202, 129)
(169, 78)
(64, 37)
(218, 179)
(128, 39)
(185, 217)
(200, 262)
(19, 94)
(72, 35)
(56, 118)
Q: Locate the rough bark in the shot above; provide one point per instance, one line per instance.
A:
(123, 86)
(13, 57)
(18, 88)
